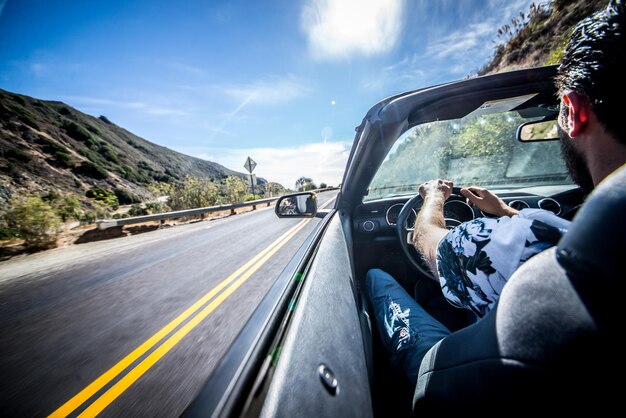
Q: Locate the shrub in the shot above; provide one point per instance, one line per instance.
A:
(93, 129)
(161, 177)
(100, 211)
(249, 197)
(137, 210)
(76, 131)
(25, 116)
(64, 159)
(193, 193)
(34, 220)
(104, 119)
(50, 146)
(104, 196)
(143, 165)
(20, 100)
(125, 197)
(323, 185)
(65, 111)
(68, 207)
(18, 155)
(88, 217)
(156, 207)
(7, 233)
(89, 169)
(108, 153)
(236, 189)
(93, 143)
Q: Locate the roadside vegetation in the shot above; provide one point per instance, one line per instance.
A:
(37, 220)
(305, 183)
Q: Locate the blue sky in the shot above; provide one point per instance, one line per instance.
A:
(283, 81)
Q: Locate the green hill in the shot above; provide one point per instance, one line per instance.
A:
(49, 146)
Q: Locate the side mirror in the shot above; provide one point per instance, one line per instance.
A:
(298, 205)
(542, 130)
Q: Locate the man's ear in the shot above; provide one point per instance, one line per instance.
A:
(579, 110)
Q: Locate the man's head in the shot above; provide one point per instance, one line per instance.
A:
(591, 85)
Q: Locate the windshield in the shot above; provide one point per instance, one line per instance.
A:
(477, 150)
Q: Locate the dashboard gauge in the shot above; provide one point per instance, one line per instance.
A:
(394, 211)
(550, 204)
(518, 204)
(457, 210)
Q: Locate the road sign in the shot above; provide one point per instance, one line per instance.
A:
(249, 165)
(252, 179)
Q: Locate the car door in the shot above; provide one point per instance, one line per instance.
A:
(302, 350)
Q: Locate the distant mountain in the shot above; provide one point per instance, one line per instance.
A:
(48, 145)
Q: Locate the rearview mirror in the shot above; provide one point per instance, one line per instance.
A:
(543, 130)
(299, 205)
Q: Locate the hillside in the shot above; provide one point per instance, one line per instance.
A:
(538, 36)
(48, 145)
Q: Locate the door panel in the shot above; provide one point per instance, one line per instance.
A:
(325, 332)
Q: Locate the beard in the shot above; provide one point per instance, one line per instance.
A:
(576, 165)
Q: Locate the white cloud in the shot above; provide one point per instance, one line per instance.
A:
(186, 68)
(340, 28)
(263, 92)
(267, 92)
(321, 161)
(132, 105)
(462, 42)
(38, 69)
(465, 49)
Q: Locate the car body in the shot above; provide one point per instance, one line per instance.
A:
(310, 349)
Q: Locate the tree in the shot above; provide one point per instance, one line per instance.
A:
(236, 189)
(68, 207)
(105, 196)
(34, 220)
(193, 193)
(304, 183)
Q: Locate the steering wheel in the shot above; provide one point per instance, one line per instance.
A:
(409, 250)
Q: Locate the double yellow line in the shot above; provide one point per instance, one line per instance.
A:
(197, 312)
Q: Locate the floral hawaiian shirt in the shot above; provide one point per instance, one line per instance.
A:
(476, 258)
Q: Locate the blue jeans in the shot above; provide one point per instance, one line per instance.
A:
(405, 328)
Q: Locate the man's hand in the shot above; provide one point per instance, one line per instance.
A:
(436, 188)
(487, 201)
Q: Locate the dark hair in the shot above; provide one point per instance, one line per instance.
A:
(594, 64)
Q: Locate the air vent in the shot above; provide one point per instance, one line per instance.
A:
(550, 204)
(518, 204)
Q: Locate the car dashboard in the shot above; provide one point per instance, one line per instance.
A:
(376, 220)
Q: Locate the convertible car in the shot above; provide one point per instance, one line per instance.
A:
(312, 349)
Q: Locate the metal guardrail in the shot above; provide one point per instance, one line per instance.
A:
(110, 223)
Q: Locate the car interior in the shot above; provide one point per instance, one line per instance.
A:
(548, 339)
(380, 224)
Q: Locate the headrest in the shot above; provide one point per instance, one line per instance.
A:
(595, 244)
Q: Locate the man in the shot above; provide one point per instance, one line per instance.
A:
(474, 260)
(593, 139)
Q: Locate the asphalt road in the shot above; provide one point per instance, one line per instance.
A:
(134, 326)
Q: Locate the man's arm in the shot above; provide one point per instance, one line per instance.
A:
(430, 225)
